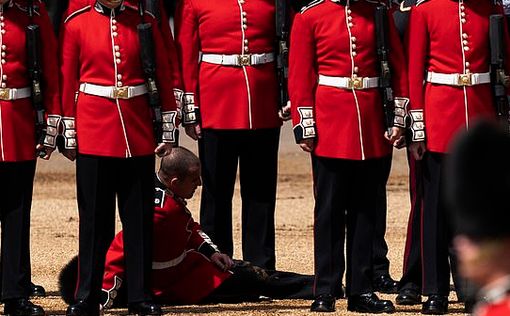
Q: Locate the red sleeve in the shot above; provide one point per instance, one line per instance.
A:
(399, 73)
(417, 47)
(200, 241)
(188, 48)
(302, 78)
(69, 56)
(165, 86)
(49, 56)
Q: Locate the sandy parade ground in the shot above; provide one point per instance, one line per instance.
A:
(54, 234)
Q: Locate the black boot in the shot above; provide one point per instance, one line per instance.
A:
(323, 304)
(369, 303)
(83, 308)
(37, 290)
(145, 308)
(22, 307)
(408, 297)
(435, 305)
(385, 284)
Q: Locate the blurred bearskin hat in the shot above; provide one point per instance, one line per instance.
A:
(478, 182)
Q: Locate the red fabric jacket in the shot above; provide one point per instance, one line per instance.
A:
(228, 97)
(332, 39)
(17, 117)
(449, 37)
(181, 270)
(97, 50)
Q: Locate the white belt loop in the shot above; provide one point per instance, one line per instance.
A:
(459, 80)
(11, 94)
(111, 92)
(160, 265)
(358, 83)
(238, 60)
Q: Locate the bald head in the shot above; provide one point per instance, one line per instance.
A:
(178, 163)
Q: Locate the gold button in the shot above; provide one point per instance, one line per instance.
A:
(349, 18)
(114, 27)
(115, 34)
(464, 36)
(468, 71)
(353, 39)
(465, 42)
(2, 24)
(463, 20)
(117, 54)
(1, 18)
(246, 49)
(246, 42)
(349, 11)
(354, 54)
(466, 48)
(244, 13)
(350, 24)
(356, 69)
(4, 85)
(3, 61)
(462, 7)
(4, 77)
(353, 46)
(4, 47)
(119, 77)
(117, 60)
(3, 54)
(245, 20)
(3, 31)
(117, 48)
(245, 26)
(114, 21)
(467, 64)
(463, 14)
(119, 84)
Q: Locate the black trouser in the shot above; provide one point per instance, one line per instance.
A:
(100, 180)
(16, 186)
(257, 154)
(345, 197)
(412, 276)
(436, 241)
(380, 250)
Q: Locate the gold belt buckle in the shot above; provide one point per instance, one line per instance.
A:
(356, 83)
(465, 80)
(120, 93)
(5, 94)
(244, 60)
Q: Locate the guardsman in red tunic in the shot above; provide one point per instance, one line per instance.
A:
(231, 105)
(108, 122)
(449, 86)
(18, 142)
(184, 259)
(337, 112)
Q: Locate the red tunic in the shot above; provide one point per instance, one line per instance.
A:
(332, 39)
(17, 117)
(228, 97)
(181, 271)
(500, 308)
(104, 50)
(450, 37)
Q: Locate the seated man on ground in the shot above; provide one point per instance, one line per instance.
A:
(187, 268)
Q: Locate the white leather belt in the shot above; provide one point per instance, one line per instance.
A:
(238, 60)
(459, 79)
(160, 265)
(126, 92)
(349, 83)
(10, 94)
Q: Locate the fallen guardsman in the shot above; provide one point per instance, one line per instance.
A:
(187, 267)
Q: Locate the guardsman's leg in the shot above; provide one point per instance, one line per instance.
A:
(258, 167)
(136, 200)
(96, 182)
(218, 156)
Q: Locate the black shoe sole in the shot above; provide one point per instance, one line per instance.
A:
(389, 310)
(434, 312)
(407, 302)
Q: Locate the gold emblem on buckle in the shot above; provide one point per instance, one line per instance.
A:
(244, 60)
(120, 93)
(5, 94)
(356, 83)
(464, 80)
